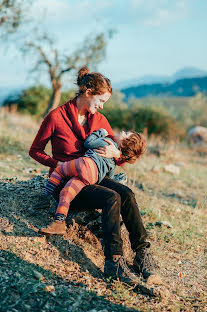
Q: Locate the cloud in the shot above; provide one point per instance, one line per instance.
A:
(63, 10)
(160, 12)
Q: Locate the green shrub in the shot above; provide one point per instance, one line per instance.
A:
(157, 121)
(35, 100)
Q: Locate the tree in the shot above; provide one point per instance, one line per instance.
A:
(33, 100)
(12, 14)
(57, 64)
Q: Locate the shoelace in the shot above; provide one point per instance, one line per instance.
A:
(123, 265)
(148, 261)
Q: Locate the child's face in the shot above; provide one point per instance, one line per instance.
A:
(123, 135)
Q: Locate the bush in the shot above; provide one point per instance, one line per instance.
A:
(35, 100)
(156, 121)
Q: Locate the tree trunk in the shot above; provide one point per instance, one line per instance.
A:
(54, 100)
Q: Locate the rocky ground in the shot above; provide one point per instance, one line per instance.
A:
(65, 273)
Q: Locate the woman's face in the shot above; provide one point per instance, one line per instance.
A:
(95, 102)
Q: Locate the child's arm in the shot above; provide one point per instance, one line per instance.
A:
(96, 139)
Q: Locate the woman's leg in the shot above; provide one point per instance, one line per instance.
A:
(143, 263)
(100, 197)
(130, 213)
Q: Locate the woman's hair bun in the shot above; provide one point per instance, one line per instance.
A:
(82, 72)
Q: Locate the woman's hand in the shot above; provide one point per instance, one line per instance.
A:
(108, 151)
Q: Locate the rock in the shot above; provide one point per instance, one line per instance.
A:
(154, 150)
(155, 169)
(38, 275)
(165, 293)
(181, 164)
(197, 135)
(166, 223)
(154, 280)
(32, 170)
(49, 288)
(177, 194)
(172, 169)
(142, 187)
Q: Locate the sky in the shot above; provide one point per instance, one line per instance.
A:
(152, 37)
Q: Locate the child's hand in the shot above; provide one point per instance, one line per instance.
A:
(106, 132)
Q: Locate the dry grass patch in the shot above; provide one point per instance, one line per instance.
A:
(69, 269)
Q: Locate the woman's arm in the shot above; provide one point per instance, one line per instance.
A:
(44, 134)
(108, 151)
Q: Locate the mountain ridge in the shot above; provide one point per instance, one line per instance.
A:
(185, 72)
(181, 87)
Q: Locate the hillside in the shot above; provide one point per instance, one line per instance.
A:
(183, 73)
(182, 87)
(66, 273)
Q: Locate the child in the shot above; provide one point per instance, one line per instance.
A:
(89, 169)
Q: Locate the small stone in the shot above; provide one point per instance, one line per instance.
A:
(38, 275)
(155, 280)
(166, 223)
(155, 169)
(172, 169)
(177, 194)
(49, 288)
(164, 293)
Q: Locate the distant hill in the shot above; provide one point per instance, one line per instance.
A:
(181, 87)
(186, 72)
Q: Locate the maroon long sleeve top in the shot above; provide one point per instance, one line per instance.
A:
(67, 136)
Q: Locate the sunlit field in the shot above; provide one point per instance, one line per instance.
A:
(66, 273)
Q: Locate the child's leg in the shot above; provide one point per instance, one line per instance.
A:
(53, 182)
(68, 193)
(67, 169)
(85, 173)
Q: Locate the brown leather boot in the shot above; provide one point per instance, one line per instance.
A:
(55, 228)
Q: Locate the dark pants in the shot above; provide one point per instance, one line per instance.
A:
(114, 199)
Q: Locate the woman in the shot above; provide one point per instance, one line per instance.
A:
(67, 127)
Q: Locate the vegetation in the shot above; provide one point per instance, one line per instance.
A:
(169, 118)
(12, 15)
(34, 100)
(65, 273)
(58, 63)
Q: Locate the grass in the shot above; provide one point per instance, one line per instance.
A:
(72, 265)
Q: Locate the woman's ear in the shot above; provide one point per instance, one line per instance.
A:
(88, 92)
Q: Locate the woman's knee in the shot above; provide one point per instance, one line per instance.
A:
(113, 195)
(111, 204)
(128, 196)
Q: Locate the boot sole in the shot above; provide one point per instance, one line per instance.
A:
(50, 234)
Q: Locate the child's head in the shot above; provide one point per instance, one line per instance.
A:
(132, 145)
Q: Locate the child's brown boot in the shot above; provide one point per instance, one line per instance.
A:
(55, 228)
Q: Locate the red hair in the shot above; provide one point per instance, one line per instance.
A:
(133, 147)
(94, 81)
